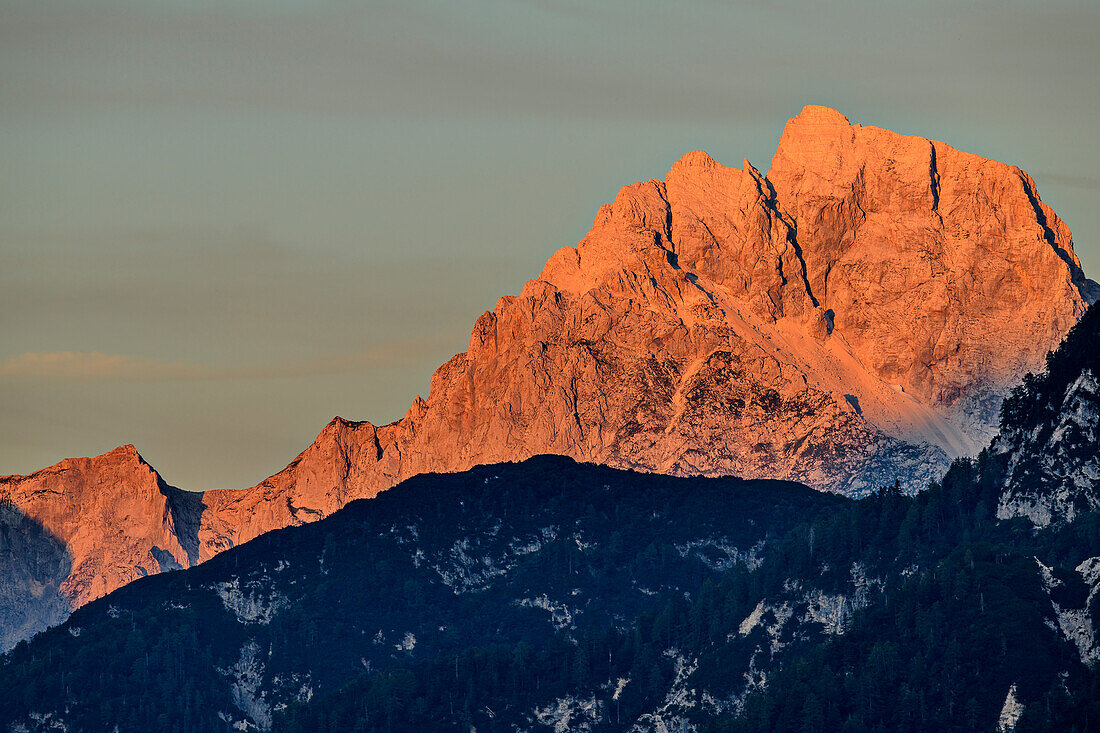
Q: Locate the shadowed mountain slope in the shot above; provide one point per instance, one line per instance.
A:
(505, 553)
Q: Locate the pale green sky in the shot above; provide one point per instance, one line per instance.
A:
(222, 223)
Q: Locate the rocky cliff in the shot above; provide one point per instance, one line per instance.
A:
(75, 531)
(1050, 434)
(850, 319)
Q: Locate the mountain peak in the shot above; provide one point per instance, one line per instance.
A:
(849, 319)
(124, 453)
(695, 159)
(813, 114)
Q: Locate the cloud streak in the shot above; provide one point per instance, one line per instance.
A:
(1057, 179)
(96, 366)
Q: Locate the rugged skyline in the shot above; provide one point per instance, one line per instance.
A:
(222, 224)
(849, 320)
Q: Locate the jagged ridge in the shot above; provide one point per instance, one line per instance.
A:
(848, 320)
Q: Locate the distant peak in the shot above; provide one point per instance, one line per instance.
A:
(124, 455)
(339, 425)
(813, 114)
(127, 451)
(696, 159)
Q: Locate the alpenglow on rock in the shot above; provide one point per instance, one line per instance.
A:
(849, 320)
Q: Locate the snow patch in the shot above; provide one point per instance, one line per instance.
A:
(1051, 479)
(834, 611)
(1076, 623)
(752, 620)
(41, 723)
(679, 699)
(245, 682)
(252, 605)
(781, 614)
(1010, 712)
(464, 568)
(718, 554)
(295, 688)
(407, 643)
(561, 617)
(570, 714)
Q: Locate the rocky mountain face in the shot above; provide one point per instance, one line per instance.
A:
(35, 565)
(849, 320)
(550, 595)
(78, 530)
(1050, 434)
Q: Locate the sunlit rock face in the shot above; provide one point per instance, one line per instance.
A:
(849, 320)
(77, 530)
(948, 276)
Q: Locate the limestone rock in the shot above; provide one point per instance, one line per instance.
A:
(943, 269)
(82, 528)
(848, 320)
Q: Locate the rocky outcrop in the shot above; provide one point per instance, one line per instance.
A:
(1050, 435)
(1053, 473)
(34, 567)
(849, 320)
(944, 269)
(75, 531)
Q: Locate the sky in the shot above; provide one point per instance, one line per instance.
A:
(223, 223)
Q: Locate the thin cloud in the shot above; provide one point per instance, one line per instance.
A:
(1057, 179)
(96, 366)
(92, 366)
